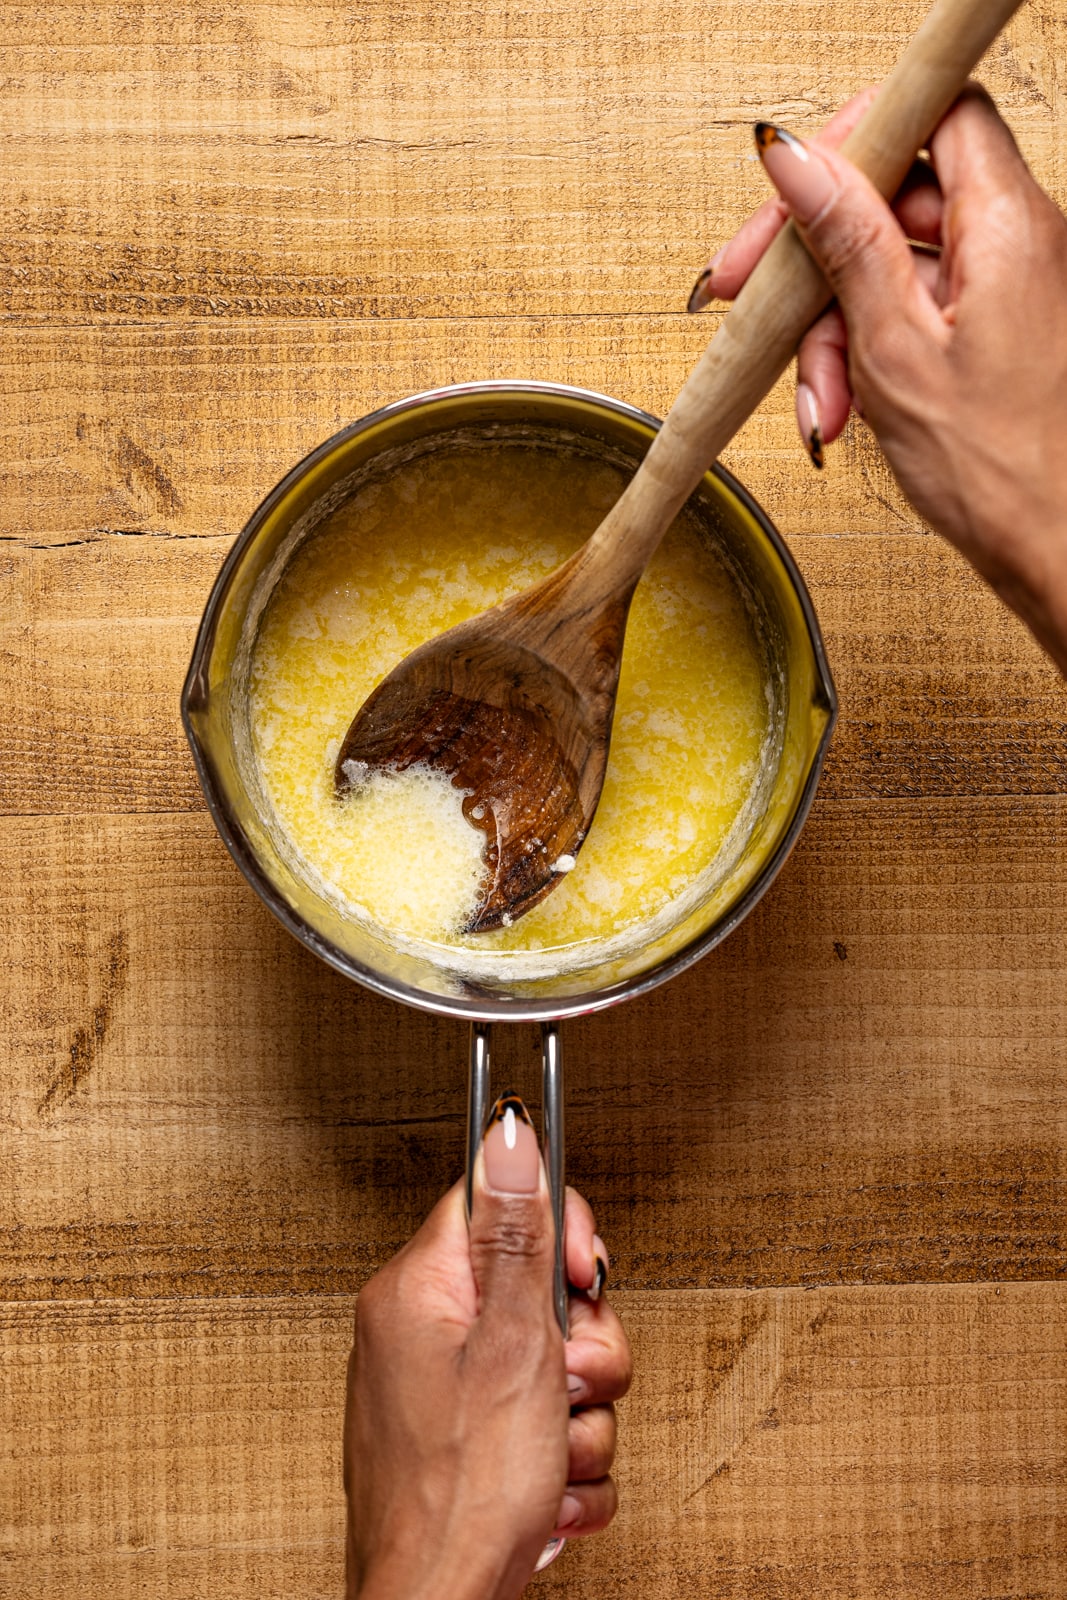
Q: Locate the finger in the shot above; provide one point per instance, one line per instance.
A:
(929, 271)
(824, 396)
(591, 1436)
(597, 1354)
(919, 204)
(988, 191)
(728, 270)
(918, 207)
(974, 150)
(512, 1240)
(579, 1241)
(856, 240)
(587, 1508)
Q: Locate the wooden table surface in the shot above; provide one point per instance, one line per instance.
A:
(829, 1160)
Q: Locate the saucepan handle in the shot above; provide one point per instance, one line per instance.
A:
(552, 1145)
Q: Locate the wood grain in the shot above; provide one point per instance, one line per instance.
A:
(320, 161)
(89, 447)
(829, 1161)
(863, 1084)
(95, 641)
(775, 1445)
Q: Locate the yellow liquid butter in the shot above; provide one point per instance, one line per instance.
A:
(424, 547)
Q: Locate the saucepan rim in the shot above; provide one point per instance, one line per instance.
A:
(485, 1007)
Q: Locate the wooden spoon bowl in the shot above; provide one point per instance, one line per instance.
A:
(521, 729)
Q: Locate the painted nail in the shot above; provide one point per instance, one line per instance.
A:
(600, 1268)
(703, 290)
(510, 1150)
(570, 1511)
(800, 175)
(808, 422)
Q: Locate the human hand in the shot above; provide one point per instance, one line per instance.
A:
(472, 1432)
(957, 359)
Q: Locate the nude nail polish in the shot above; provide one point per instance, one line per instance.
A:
(570, 1511)
(510, 1149)
(809, 423)
(798, 172)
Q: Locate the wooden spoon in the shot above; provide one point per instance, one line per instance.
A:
(516, 704)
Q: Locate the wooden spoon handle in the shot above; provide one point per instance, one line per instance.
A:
(786, 292)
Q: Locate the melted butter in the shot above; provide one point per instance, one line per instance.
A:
(429, 888)
(427, 547)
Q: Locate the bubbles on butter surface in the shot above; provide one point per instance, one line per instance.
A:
(692, 715)
(405, 852)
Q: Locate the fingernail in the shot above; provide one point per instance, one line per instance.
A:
(704, 290)
(509, 1148)
(577, 1390)
(570, 1512)
(600, 1267)
(800, 175)
(808, 422)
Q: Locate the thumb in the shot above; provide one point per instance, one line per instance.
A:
(850, 231)
(512, 1237)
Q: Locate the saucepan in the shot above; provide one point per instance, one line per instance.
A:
(215, 711)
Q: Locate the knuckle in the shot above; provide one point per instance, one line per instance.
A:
(612, 1380)
(592, 1439)
(623, 1370)
(368, 1301)
(376, 1303)
(848, 239)
(618, 1362)
(515, 1235)
(367, 1321)
(883, 361)
(578, 1209)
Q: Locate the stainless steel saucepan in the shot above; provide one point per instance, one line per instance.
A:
(215, 711)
